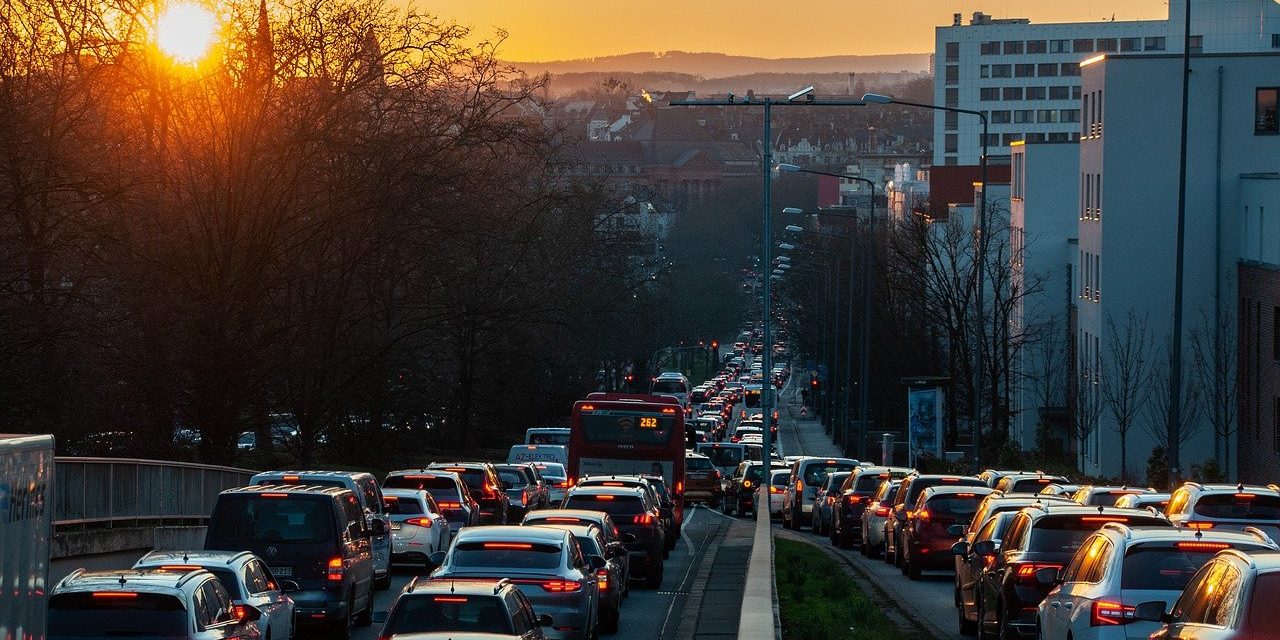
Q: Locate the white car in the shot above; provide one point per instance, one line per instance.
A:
(778, 480)
(246, 579)
(557, 479)
(418, 527)
(1119, 567)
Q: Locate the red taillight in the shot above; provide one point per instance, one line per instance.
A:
(1200, 526)
(518, 546)
(239, 612)
(680, 487)
(923, 515)
(1110, 613)
(564, 485)
(273, 495)
(453, 599)
(335, 569)
(561, 586)
(644, 518)
(882, 512)
(776, 490)
(115, 595)
(1202, 546)
(449, 505)
(602, 579)
(1104, 519)
(831, 499)
(1026, 573)
(419, 522)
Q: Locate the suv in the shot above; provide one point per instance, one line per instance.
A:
(244, 576)
(482, 480)
(418, 528)
(929, 535)
(702, 480)
(460, 608)
(368, 494)
(1118, 567)
(852, 499)
(824, 506)
(905, 500)
(450, 492)
(1027, 482)
(148, 603)
(525, 491)
(739, 495)
(635, 513)
(1092, 496)
(807, 474)
(1045, 536)
(875, 518)
(1223, 506)
(315, 536)
(1232, 597)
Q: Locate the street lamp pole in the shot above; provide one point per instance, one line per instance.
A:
(980, 221)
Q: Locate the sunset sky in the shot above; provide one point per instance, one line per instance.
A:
(563, 29)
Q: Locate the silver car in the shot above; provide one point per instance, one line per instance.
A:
(418, 527)
(877, 513)
(546, 564)
(246, 579)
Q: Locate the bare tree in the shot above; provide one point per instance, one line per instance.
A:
(1124, 382)
(1215, 351)
(1086, 409)
(1049, 379)
(1156, 413)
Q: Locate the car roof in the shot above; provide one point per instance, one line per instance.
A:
(948, 489)
(807, 460)
(299, 489)
(439, 473)
(575, 529)
(150, 580)
(596, 490)
(1233, 488)
(568, 513)
(459, 586)
(316, 473)
(404, 493)
(510, 532)
(1067, 508)
(1163, 534)
(464, 465)
(195, 556)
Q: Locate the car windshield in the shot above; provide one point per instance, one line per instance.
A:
(252, 519)
(150, 615)
(449, 613)
(816, 473)
(611, 504)
(1239, 506)
(1167, 566)
(505, 554)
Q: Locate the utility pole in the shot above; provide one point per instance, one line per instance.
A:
(1174, 428)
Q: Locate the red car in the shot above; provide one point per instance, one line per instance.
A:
(928, 537)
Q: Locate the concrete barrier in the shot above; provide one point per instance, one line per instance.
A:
(759, 619)
(68, 544)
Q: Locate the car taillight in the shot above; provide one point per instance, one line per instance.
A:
(602, 579)
(335, 569)
(922, 514)
(831, 499)
(419, 522)
(680, 488)
(1111, 613)
(775, 490)
(1199, 526)
(449, 505)
(882, 512)
(1026, 572)
(644, 518)
(561, 586)
(490, 493)
(746, 484)
(564, 485)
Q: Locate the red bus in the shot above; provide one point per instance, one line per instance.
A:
(629, 434)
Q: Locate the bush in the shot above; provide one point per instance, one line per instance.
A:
(819, 601)
(1158, 469)
(1208, 471)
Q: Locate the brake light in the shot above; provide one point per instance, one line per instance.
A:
(456, 599)
(335, 569)
(882, 512)
(179, 567)
(602, 579)
(420, 477)
(775, 490)
(1104, 519)
(1026, 573)
(951, 479)
(966, 495)
(587, 407)
(291, 479)
(604, 497)
(518, 546)
(668, 410)
(239, 612)
(1202, 546)
(274, 495)
(680, 487)
(612, 484)
(1109, 613)
(561, 586)
(115, 595)
(455, 469)
(644, 518)
(831, 499)
(1244, 496)
(1200, 526)
(490, 493)
(922, 514)
(562, 519)
(564, 485)
(799, 486)
(419, 522)
(449, 505)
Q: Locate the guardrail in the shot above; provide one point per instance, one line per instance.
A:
(109, 492)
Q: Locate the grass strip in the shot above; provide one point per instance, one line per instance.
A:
(819, 601)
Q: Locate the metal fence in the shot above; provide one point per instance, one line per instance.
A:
(106, 492)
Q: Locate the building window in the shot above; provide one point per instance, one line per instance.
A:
(1075, 92)
(952, 97)
(1131, 44)
(953, 74)
(1275, 333)
(1036, 93)
(953, 51)
(989, 93)
(993, 140)
(1024, 70)
(1034, 137)
(1071, 68)
(984, 71)
(1059, 93)
(1059, 46)
(952, 120)
(1001, 117)
(1264, 111)
(1069, 115)
(1197, 44)
(952, 142)
(1013, 93)
(1001, 71)
(1012, 47)
(1047, 70)
(1275, 41)
(1107, 44)
(949, 161)
(1153, 44)
(1082, 45)
(1037, 46)
(1045, 116)
(1023, 116)
(989, 48)
(1059, 137)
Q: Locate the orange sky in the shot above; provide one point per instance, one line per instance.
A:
(559, 29)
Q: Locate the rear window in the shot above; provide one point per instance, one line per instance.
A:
(1166, 566)
(81, 615)
(506, 554)
(1065, 534)
(612, 505)
(867, 482)
(723, 456)
(1030, 485)
(449, 613)
(403, 506)
(1239, 506)
(420, 483)
(781, 479)
(954, 505)
(240, 521)
(514, 477)
(1106, 498)
(816, 473)
(669, 386)
(698, 464)
(473, 478)
(918, 485)
(554, 470)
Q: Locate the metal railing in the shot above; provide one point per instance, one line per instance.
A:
(107, 492)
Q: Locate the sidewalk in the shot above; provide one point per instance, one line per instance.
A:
(802, 436)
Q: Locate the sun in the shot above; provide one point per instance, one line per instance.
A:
(185, 31)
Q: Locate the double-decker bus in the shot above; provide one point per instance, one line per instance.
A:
(629, 434)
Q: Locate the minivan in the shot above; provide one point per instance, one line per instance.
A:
(315, 536)
(368, 495)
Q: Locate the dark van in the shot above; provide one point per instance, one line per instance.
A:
(314, 536)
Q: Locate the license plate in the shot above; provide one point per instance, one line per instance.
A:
(282, 572)
(395, 526)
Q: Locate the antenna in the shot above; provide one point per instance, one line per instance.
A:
(1100, 509)
(122, 580)
(185, 559)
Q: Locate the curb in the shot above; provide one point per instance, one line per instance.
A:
(759, 618)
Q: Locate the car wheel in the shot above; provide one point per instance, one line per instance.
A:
(913, 570)
(967, 627)
(383, 583)
(726, 506)
(654, 579)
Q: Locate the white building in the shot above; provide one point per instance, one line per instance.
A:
(1025, 76)
(1128, 193)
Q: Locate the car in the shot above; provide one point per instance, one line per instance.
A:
(1118, 567)
(904, 501)
(1027, 482)
(634, 512)
(1156, 501)
(824, 505)
(1039, 537)
(612, 535)
(928, 535)
(1105, 496)
(779, 477)
(1060, 489)
(419, 527)
(875, 518)
(462, 609)
(748, 431)
(315, 536)
(147, 603)
(656, 487)
(482, 480)
(1224, 506)
(367, 492)
(854, 496)
(740, 491)
(807, 475)
(672, 511)
(1232, 597)
(546, 564)
(970, 566)
(447, 488)
(557, 479)
(246, 579)
(524, 491)
(612, 579)
(702, 480)
(725, 456)
(992, 477)
(713, 426)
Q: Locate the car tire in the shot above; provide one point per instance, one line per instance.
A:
(967, 627)
(726, 506)
(913, 570)
(654, 579)
(383, 583)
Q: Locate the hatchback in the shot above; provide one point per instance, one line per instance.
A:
(610, 580)
(246, 579)
(481, 479)
(1232, 597)
(451, 495)
(524, 492)
(904, 501)
(462, 609)
(418, 527)
(929, 534)
(702, 480)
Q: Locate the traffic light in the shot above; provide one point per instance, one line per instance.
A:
(814, 383)
(715, 344)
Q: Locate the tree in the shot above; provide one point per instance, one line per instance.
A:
(1156, 412)
(1049, 380)
(1086, 408)
(1215, 353)
(1125, 381)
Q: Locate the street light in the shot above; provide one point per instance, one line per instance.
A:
(786, 247)
(980, 221)
(783, 258)
(795, 229)
(792, 211)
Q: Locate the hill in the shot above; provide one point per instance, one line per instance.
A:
(719, 65)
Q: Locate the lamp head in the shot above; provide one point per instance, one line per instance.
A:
(794, 228)
(784, 266)
(877, 98)
(783, 258)
(786, 246)
(789, 168)
(807, 91)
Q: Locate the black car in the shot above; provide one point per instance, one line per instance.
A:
(1039, 537)
(482, 480)
(854, 496)
(633, 512)
(908, 493)
(740, 492)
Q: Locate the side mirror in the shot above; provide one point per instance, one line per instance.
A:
(616, 550)
(984, 548)
(545, 620)
(378, 526)
(597, 562)
(355, 531)
(1047, 576)
(245, 613)
(437, 558)
(955, 530)
(960, 549)
(380, 617)
(627, 538)
(289, 586)
(1150, 611)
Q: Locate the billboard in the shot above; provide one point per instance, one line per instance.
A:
(924, 421)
